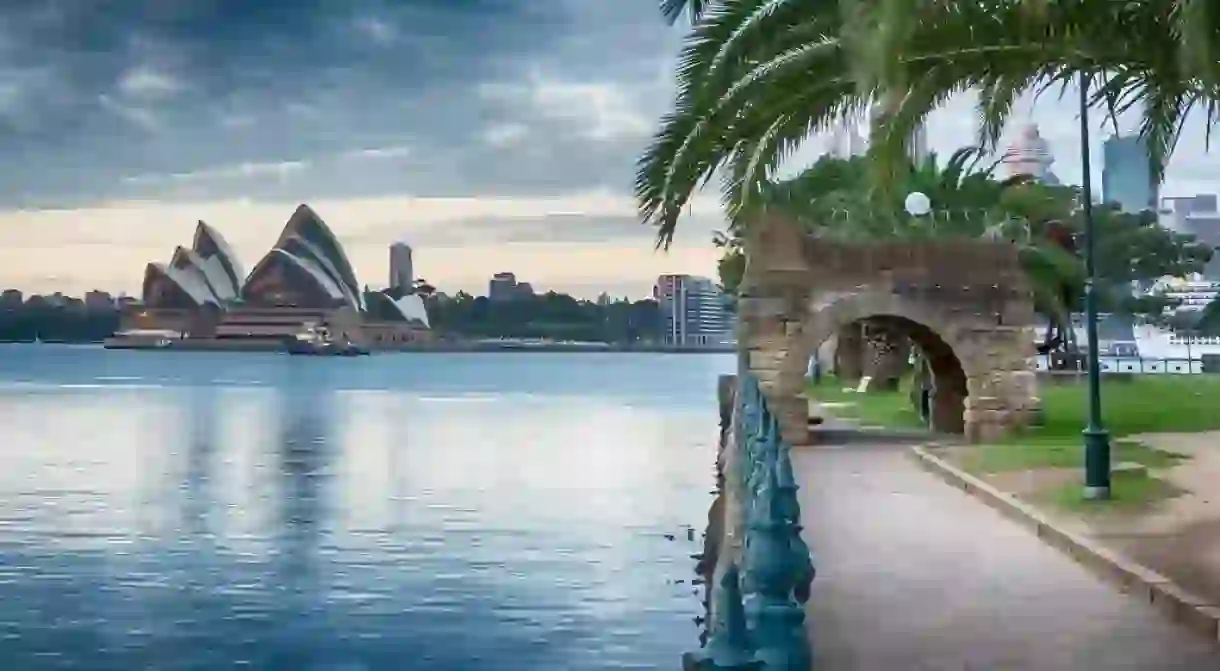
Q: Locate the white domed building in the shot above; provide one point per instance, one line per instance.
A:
(1030, 154)
(303, 282)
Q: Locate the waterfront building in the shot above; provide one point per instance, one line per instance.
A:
(98, 300)
(1198, 216)
(402, 268)
(505, 287)
(304, 281)
(1126, 174)
(919, 145)
(11, 298)
(848, 139)
(695, 312)
(1030, 155)
(1193, 293)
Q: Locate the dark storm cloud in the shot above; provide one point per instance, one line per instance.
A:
(92, 92)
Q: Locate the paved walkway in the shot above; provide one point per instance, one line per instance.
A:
(915, 575)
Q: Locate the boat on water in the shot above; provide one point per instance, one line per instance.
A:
(1153, 342)
(142, 339)
(318, 341)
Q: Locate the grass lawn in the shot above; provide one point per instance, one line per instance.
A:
(1130, 406)
(1140, 404)
(889, 409)
(1129, 492)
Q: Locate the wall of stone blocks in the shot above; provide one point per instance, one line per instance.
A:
(966, 303)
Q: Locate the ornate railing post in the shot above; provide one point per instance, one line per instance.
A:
(766, 630)
(777, 566)
(778, 620)
(802, 557)
(729, 647)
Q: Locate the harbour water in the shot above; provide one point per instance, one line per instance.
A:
(412, 511)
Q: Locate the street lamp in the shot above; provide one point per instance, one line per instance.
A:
(917, 204)
(1096, 438)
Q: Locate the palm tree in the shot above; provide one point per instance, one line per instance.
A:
(757, 77)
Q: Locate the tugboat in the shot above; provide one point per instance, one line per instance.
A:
(317, 341)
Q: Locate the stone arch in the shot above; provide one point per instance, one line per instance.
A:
(955, 355)
(965, 302)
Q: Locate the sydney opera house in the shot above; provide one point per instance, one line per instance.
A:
(203, 296)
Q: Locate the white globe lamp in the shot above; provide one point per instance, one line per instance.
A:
(918, 204)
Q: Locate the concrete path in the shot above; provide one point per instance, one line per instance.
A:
(915, 575)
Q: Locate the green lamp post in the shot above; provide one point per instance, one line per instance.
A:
(1096, 438)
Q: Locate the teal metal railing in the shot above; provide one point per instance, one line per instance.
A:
(759, 606)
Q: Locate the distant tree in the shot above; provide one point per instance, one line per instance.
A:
(38, 319)
(1208, 320)
(550, 315)
(423, 288)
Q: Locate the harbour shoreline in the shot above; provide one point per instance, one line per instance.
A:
(243, 345)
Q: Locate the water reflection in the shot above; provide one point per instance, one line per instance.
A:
(197, 495)
(295, 514)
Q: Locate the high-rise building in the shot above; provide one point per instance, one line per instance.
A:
(505, 287)
(919, 145)
(402, 267)
(1126, 174)
(694, 310)
(846, 139)
(98, 300)
(1197, 216)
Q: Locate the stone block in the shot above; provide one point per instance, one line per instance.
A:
(1023, 390)
(985, 403)
(755, 308)
(766, 360)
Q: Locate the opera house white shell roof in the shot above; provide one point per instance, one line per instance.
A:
(306, 267)
(409, 308)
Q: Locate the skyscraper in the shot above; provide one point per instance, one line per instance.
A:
(919, 145)
(1198, 216)
(1126, 174)
(846, 140)
(402, 269)
(694, 310)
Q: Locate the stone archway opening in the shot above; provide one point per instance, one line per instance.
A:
(939, 381)
(965, 303)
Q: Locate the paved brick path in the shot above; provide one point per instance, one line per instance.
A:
(916, 575)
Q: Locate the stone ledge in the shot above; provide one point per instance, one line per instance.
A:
(1177, 603)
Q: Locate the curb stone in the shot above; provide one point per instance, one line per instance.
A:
(1180, 605)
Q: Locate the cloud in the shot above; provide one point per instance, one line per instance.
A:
(459, 242)
(171, 111)
(376, 30)
(148, 84)
(134, 114)
(379, 153)
(601, 111)
(280, 170)
(502, 135)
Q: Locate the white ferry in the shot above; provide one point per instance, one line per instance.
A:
(1153, 342)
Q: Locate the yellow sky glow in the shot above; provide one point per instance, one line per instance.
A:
(106, 246)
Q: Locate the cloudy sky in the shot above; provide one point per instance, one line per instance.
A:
(490, 134)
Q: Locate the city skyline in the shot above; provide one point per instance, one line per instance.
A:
(510, 151)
